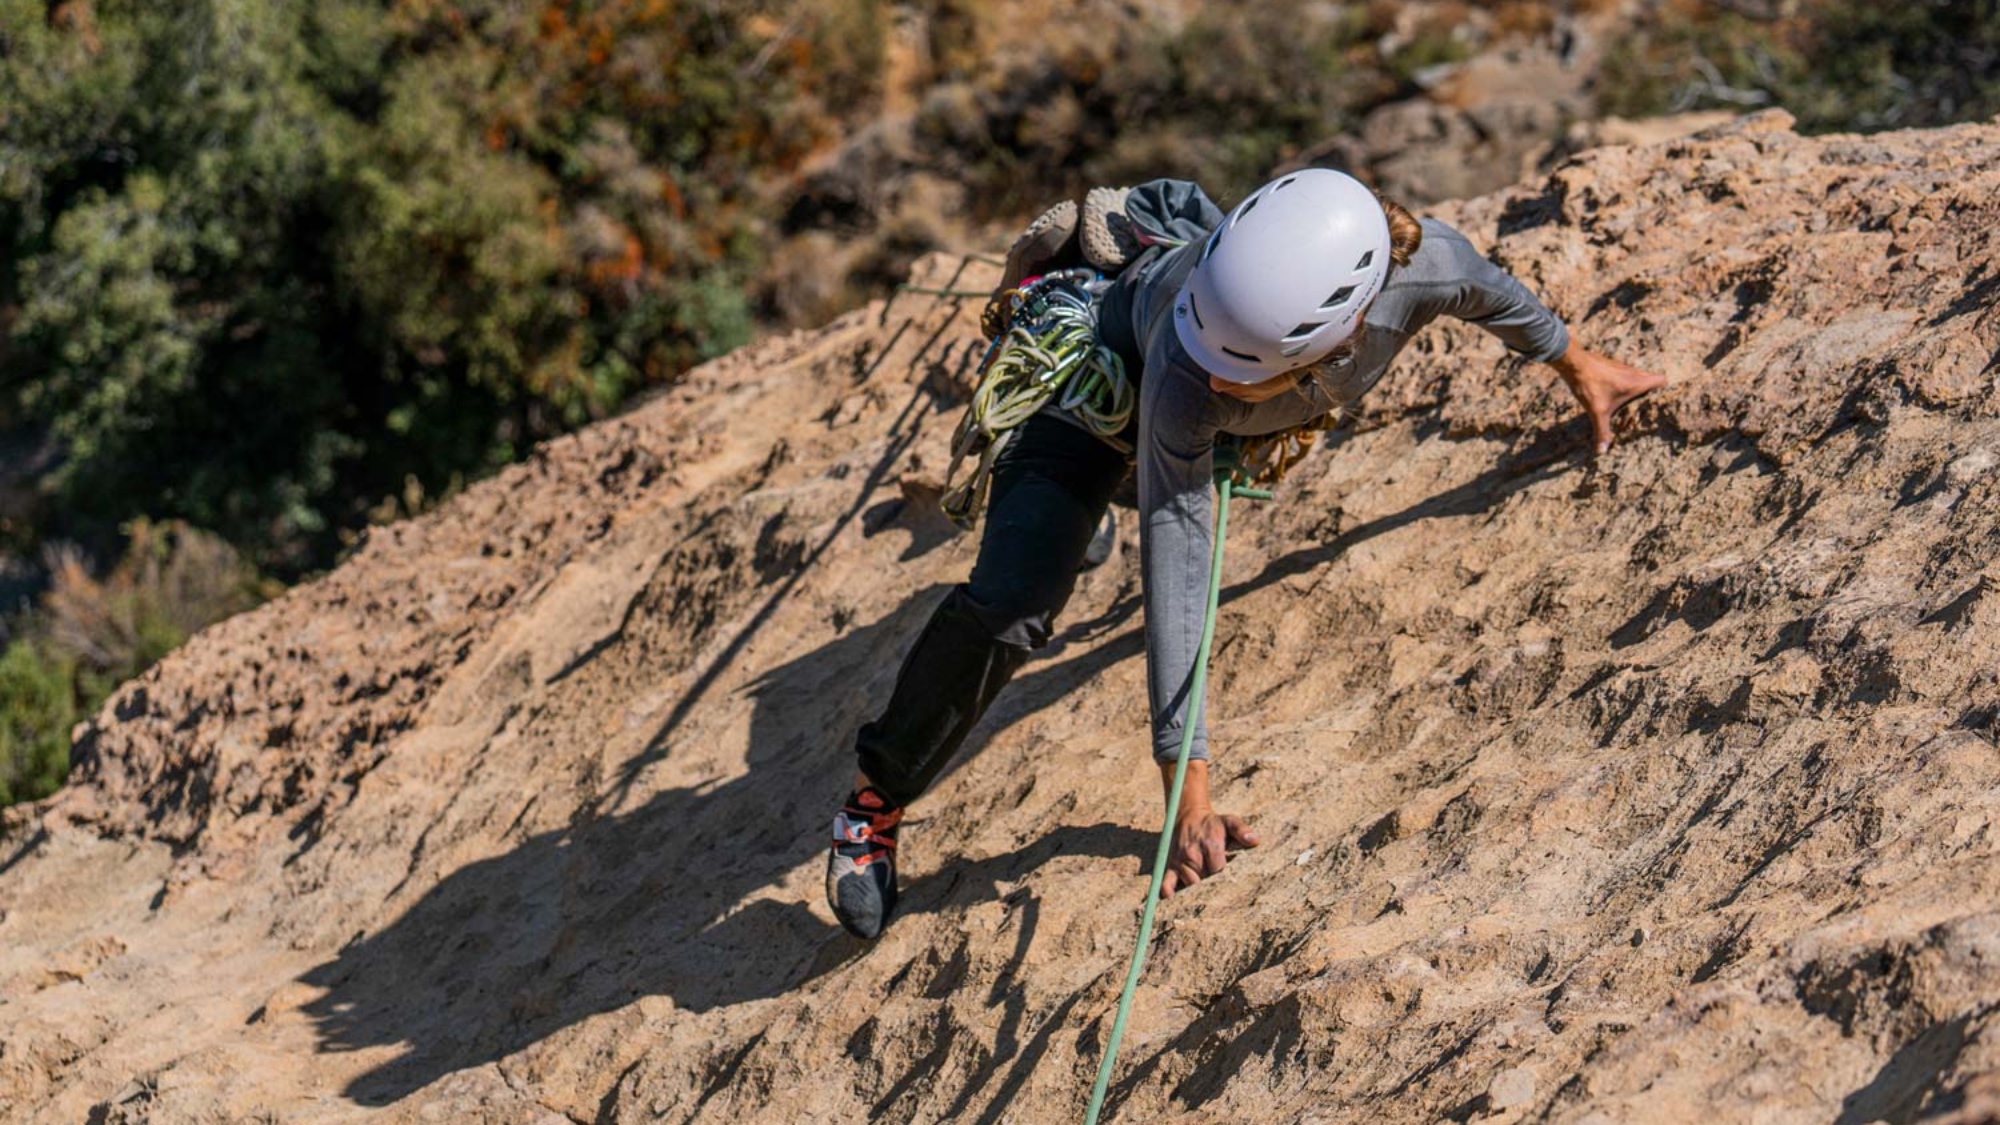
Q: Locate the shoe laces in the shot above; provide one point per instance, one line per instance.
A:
(867, 819)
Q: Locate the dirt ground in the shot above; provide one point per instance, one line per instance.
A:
(1656, 788)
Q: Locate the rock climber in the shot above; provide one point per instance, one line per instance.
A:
(1251, 323)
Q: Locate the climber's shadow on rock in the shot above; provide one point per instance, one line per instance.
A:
(678, 898)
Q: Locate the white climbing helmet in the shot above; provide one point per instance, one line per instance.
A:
(1285, 278)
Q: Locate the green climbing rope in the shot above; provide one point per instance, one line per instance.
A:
(1225, 488)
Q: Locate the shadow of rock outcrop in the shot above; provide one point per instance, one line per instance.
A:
(586, 919)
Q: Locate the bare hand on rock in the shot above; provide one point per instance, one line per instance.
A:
(1202, 840)
(1603, 386)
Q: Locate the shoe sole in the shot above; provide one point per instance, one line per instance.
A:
(857, 899)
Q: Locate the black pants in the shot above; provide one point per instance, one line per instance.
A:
(1049, 492)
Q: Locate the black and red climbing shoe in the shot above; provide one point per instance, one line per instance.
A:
(861, 869)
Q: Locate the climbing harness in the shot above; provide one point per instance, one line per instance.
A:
(1228, 483)
(1265, 460)
(1047, 352)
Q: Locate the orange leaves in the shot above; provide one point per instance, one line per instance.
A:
(621, 268)
(554, 20)
(79, 18)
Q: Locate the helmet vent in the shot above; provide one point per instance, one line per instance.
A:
(1244, 210)
(1305, 329)
(1367, 260)
(1213, 240)
(1338, 299)
(1284, 183)
(1196, 310)
(1244, 356)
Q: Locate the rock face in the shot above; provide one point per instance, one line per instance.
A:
(1655, 789)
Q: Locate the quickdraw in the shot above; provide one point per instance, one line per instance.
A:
(1047, 348)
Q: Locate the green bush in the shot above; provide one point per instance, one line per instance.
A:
(272, 260)
(91, 633)
(37, 710)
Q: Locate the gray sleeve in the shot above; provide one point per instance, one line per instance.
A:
(1468, 286)
(1176, 453)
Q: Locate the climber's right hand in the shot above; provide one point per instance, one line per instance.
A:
(1603, 386)
(1202, 837)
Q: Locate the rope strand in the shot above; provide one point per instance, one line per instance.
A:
(1050, 349)
(1225, 487)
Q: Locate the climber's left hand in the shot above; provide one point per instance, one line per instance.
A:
(1602, 386)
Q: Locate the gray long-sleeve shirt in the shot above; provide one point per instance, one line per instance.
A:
(1180, 417)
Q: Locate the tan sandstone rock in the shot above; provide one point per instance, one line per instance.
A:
(517, 815)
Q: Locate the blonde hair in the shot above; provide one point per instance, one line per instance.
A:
(1405, 233)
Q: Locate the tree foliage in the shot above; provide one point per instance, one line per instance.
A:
(263, 262)
(37, 709)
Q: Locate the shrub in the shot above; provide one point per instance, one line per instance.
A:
(89, 634)
(172, 581)
(37, 710)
